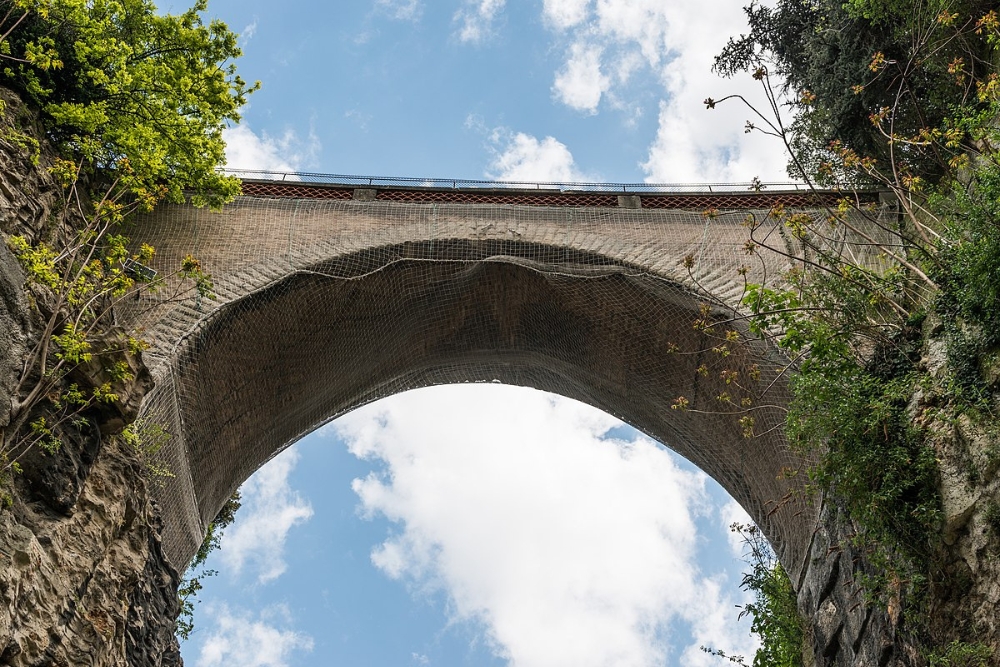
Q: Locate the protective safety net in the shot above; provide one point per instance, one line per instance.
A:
(329, 296)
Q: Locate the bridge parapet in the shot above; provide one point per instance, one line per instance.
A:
(741, 196)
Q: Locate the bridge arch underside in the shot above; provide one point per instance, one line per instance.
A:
(262, 371)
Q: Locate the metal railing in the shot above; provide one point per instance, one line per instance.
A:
(305, 178)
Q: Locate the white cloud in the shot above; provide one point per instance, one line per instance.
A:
(581, 83)
(626, 64)
(476, 123)
(564, 547)
(247, 33)
(401, 10)
(645, 23)
(631, 111)
(270, 509)
(563, 14)
(247, 150)
(712, 623)
(358, 117)
(676, 42)
(476, 18)
(522, 157)
(241, 638)
(695, 144)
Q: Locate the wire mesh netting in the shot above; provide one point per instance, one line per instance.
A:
(324, 303)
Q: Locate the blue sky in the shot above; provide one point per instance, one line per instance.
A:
(482, 525)
(474, 525)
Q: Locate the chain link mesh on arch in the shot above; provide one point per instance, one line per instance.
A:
(324, 303)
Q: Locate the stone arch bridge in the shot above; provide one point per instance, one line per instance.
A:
(329, 296)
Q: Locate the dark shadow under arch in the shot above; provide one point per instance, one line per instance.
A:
(264, 370)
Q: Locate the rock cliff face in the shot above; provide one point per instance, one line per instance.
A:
(90, 588)
(13, 325)
(965, 596)
(843, 629)
(83, 580)
(963, 587)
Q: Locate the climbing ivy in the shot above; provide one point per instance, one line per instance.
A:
(187, 593)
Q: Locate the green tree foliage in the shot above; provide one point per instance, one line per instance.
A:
(191, 584)
(773, 610)
(773, 613)
(142, 97)
(961, 654)
(85, 275)
(853, 61)
(135, 104)
(970, 271)
(902, 96)
(873, 459)
(854, 348)
(858, 351)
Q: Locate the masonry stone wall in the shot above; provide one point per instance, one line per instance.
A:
(322, 306)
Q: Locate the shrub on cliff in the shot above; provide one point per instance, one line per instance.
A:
(129, 91)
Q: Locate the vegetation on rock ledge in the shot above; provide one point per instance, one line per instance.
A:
(904, 97)
(130, 106)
